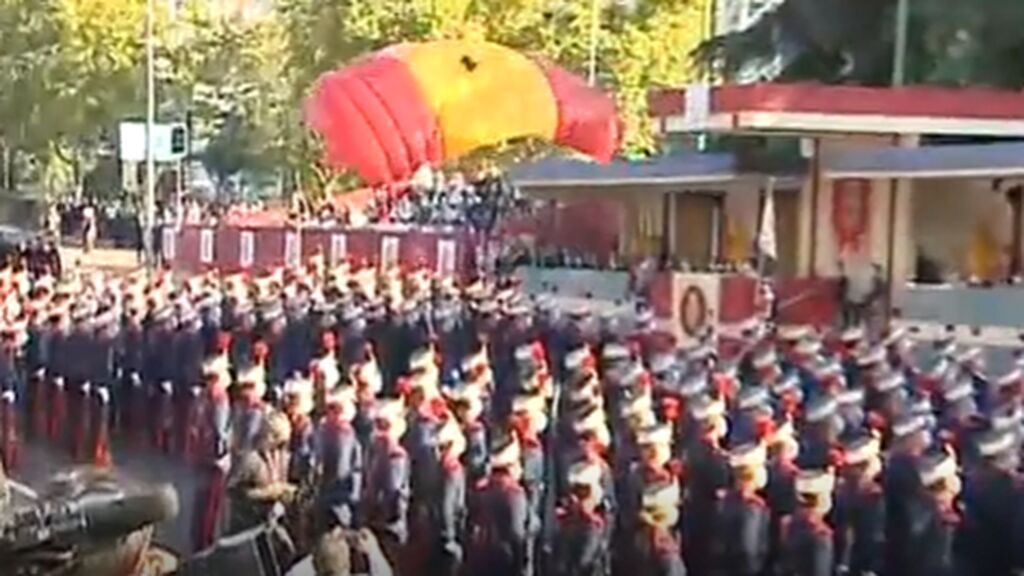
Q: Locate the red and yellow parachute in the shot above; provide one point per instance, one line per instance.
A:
(426, 103)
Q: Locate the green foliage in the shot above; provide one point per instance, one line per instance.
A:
(639, 47)
(950, 42)
(73, 69)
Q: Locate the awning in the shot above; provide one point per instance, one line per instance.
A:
(675, 169)
(1004, 160)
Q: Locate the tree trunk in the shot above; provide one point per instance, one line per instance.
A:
(8, 161)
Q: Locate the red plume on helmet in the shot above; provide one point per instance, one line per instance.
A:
(671, 408)
(403, 386)
(537, 350)
(676, 468)
(724, 385)
(876, 420)
(645, 381)
(635, 349)
(791, 403)
(438, 409)
(836, 458)
(223, 341)
(328, 341)
(764, 427)
(260, 352)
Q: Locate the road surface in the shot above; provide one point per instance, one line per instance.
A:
(117, 260)
(40, 461)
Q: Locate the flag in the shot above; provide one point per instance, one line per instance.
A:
(767, 245)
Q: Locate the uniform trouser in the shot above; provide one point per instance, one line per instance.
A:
(698, 538)
(36, 392)
(79, 417)
(394, 551)
(333, 510)
(162, 401)
(57, 409)
(534, 530)
(9, 441)
(445, 557)
(209, 506)
(134, 406)
(187, 421)
(99, 445)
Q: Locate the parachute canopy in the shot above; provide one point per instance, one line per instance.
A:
(417, 104)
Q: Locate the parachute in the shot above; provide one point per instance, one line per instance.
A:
(416, 104)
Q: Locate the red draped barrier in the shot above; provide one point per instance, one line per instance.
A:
(227, 254)
(269, 248)
(316, 242)
(801, 300)
(232, 249)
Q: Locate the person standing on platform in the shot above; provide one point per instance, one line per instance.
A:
(89, 231)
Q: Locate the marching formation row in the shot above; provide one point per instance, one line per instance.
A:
(476, 430)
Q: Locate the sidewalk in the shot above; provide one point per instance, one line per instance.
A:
(117, 260)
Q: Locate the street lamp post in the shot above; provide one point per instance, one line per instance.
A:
(595, 30)
(899, 78)
(149, 199)
(899, 54)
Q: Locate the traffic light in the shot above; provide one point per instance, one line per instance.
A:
(179, 140)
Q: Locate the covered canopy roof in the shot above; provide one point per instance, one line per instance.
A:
(680, 169)
(821, 109)
(1002, 160)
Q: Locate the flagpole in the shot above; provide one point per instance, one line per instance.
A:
(766, 239)
(765, 226)
(595, 31)
(149, 197)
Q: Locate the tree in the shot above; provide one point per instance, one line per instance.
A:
(641, 44)
(949, 42)
(76, 67)
(231, 76)
(27, 49)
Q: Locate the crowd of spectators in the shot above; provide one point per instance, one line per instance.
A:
(433, 200)
(477, 203)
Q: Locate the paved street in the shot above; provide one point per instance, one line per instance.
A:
(39, 461)
(108, 259)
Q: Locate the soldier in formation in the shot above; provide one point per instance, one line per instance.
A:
(472, 429)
